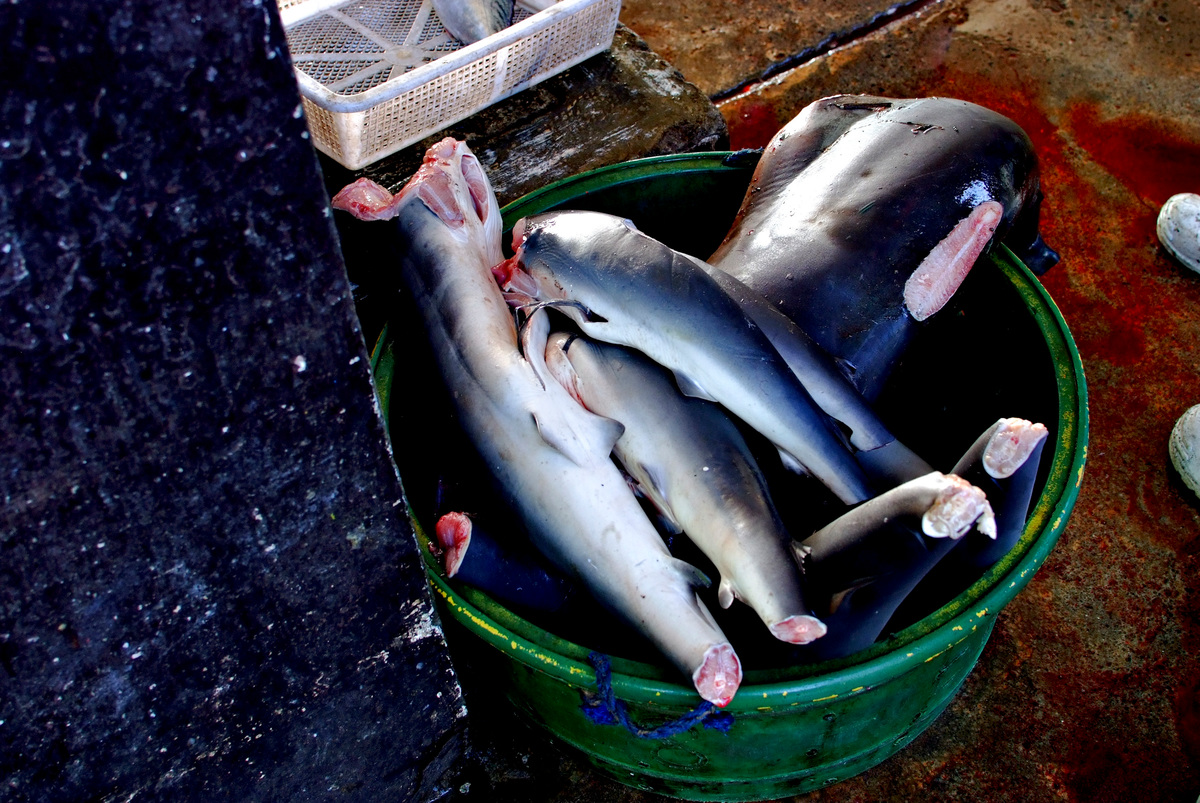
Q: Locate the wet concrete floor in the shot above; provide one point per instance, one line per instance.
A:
(1089, 688)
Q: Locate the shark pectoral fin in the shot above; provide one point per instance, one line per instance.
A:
(669, 524)
(585, 438)
(689, 387)
(845, 434)
(665, 517)
(791, 463)
(694, 577)
(725, 592)
(533, 339)
(846, 367)
(654, 489)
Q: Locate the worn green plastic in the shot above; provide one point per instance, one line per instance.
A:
(799, 728)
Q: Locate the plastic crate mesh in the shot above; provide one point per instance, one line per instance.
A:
(363, 45)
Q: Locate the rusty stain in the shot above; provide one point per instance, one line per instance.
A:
(1154, 157)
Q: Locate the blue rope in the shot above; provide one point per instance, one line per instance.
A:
(611, 711)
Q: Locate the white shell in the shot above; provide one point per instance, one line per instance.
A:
(1184, 448)
(1179, 228)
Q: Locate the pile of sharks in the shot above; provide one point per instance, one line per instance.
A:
(607, 380)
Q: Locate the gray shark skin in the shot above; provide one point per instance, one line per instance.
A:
(886, 460)
(879, 562)
(866, 213)
(549, 456)
(519, 578)
(864, 564)
(620, 286)
(690, 460)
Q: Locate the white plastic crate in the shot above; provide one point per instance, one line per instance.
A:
(379, 75)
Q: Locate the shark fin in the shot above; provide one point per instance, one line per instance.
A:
(695, 577)
(689, 387)
(725, 592)
(653, 488)
(583, 437)
(791, 463)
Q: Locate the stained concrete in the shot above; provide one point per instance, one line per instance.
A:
(721, 47)
(1088, 689)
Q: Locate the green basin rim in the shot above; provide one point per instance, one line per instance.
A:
(604, 178)
(885, 661)
(855, 762)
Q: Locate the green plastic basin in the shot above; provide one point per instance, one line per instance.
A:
(798, 728)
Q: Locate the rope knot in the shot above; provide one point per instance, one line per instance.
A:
(608, 710)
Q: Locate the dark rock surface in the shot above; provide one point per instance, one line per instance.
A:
(209, 589)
